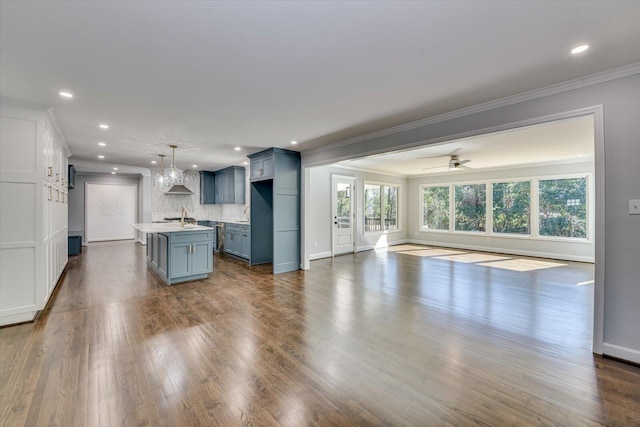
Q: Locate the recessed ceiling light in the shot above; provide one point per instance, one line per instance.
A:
(195, 166)
(115, 169)
(64, 94)
(153, 162)
(113, 173)
(294, 142)
(104, 126)
(101, 156)
(102, 144)
(579, 49)
(237, 148)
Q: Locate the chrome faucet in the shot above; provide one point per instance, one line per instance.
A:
(246, 211)
(183, 213)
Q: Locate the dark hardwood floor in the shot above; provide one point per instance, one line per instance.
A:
(410, 336)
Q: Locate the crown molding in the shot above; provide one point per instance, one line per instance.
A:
(590, 80)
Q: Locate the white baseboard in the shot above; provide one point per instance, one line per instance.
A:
(565, 257)
(621, 352)
(370, 247)
(320, 255)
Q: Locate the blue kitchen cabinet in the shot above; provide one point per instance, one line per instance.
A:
(230, 185)
(275, 209)
(180, 256)
(207, 188)
(262, 166)
(237, 240)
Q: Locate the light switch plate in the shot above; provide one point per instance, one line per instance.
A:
(634, 207)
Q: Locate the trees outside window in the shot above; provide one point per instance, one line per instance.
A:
(435, 208)
(563, 207)
(381, 207)
(390, 207)
(511, 207)
(470, 207)
(372, 208)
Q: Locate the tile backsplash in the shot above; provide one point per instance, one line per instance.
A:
(165, 206)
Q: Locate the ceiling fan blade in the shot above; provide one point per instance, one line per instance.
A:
(462, 162)
(432, 157)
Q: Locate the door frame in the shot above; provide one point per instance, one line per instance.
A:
(354, 227)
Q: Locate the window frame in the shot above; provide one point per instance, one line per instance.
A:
(382, 186)
(534, 207)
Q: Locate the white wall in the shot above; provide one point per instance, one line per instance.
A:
(559, 249)
(77, 198)
(320, 218)
(618, 238)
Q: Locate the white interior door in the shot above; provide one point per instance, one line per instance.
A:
(110, 211)
(343, 214)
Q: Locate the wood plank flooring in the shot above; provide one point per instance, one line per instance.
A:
(410, 336)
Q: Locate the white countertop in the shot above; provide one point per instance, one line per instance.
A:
(168, 227)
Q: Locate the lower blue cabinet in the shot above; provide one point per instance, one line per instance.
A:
(237, 240)
(180, 256)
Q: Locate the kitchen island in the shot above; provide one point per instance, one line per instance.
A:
(178, 254)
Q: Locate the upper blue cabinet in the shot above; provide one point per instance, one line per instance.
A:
(207, 188)
(262, 165)
(229, 185)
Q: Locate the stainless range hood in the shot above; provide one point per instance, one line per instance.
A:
(179, 190)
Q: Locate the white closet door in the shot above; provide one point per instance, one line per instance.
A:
(110, 211)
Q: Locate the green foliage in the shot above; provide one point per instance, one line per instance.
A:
(563, 207)
(436, 208)
(511, 207)
(470, 205)
(390, 208)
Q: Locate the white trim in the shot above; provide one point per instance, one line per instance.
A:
(320, 255)
(371, 247)
(490, 249)
(590, 80)
(620, 352)
(599, 229)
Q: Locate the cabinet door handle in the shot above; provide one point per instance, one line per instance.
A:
(49, 170)
(50, 198)
(57, 177)
(57, 195)
(260, 172)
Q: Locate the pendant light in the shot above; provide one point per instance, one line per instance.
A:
(173, 175)
(160, 180)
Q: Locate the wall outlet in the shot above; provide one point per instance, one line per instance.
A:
(315, 244)
(634, 207)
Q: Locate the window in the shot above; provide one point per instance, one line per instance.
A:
(511, 207)
(435, 208)
(470, 207)
(563, 207)
(381, 207)
(372, 205)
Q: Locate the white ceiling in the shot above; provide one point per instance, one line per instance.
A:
(209, 76)
(561, 141)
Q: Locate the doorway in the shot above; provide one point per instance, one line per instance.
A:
(342, 209)
(110, 211)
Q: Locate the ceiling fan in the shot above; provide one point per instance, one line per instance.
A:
(454, 163)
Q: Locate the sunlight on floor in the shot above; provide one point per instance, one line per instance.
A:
(504, 262)
(522, 264)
